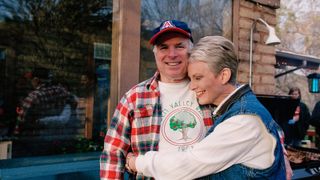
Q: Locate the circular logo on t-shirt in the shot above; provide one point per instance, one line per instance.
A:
(182, 127)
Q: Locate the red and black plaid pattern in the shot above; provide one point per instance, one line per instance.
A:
(45, 100)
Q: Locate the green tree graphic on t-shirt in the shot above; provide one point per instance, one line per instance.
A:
(182, 122)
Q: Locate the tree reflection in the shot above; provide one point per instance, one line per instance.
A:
(58, 35)
(205, 17)
(55, 34)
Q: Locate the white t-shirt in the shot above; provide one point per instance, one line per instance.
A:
(182, 120)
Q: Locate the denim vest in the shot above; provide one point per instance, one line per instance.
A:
(245, 102)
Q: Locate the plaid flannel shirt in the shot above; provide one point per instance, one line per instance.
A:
(135, 127)
(45, 100)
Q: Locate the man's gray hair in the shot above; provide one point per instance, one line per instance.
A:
(218, 52)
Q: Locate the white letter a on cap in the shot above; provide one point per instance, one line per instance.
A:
(166, 24)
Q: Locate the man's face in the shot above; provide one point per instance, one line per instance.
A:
(209, 88)
(35, 82)
(171, 56)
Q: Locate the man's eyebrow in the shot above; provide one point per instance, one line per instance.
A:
(162, 44)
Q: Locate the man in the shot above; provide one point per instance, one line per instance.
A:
(243, 143)
(150, 116)
(161, 113)
(47, 103)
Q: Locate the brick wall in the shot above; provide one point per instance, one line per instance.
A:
(263, 70)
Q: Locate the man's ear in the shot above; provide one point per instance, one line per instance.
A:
(225, 75)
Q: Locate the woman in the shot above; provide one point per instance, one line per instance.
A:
(297, 126)
(244, 141)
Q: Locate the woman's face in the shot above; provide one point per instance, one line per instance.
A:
(209, 88)
(295, 95)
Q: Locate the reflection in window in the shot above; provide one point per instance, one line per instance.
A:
(54, 90)
(204, 17)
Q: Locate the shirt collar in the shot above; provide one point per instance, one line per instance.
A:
(228, 97)
(152, 83)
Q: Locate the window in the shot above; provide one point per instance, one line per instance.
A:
(2, 54)
(61, 48)
(204, 17)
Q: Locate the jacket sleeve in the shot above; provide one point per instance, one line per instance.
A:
(304, 118)
(315, 117)
(116, 143)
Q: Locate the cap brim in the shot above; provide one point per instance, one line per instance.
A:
(173, 29)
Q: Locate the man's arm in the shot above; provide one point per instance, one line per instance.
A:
(116, 143)
(23, 111)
